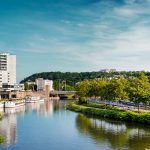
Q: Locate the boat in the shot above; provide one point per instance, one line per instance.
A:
(13, 104)
(34, 99)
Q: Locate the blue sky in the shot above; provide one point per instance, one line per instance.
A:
(76, 35)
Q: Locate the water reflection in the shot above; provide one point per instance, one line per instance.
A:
(117, 135)
(8, 125)
(21, 129)
(43, 108)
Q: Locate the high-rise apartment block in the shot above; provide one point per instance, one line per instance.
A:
(7, 69)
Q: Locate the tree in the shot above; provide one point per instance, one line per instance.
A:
(26, 86)
(139, 90)
(82, 88)
(70, 88)
(96, 87)
(116, 89)
(29, 87)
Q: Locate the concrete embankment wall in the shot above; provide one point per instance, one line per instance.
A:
(21, 95)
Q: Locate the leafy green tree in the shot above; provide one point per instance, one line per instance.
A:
(56, 85)
(26, 86)
(116, 89)
(70, 88)
(72, 78)
(29, 87)
(139, 90)
(96, 87)
(82, 100)
(82, 88)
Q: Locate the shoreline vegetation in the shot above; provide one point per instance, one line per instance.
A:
(2, 138)
(72, 78)
(135, 90)
(1, 116)
(102, 111)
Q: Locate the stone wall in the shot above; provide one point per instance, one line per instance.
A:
(20, 95)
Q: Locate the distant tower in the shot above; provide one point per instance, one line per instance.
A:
(41, 84)
(7, 69)
(47, 91)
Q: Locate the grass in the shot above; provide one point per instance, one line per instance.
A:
(110, 112)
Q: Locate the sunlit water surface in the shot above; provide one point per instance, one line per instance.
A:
(48, 126)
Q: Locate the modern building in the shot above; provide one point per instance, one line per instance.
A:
(41, 84)
(7, 69)
(108, 70)
(18, 87)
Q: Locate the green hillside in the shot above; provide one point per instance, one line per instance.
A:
(71, 78)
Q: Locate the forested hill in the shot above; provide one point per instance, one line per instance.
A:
(73, 77)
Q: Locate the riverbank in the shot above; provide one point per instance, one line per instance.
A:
(110, 112)
(1, 115)
(2, 139)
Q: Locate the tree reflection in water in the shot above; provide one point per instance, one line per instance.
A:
(115, 134)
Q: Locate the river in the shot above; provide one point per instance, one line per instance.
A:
(48, 126)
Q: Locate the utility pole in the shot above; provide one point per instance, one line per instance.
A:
(65, 85)
(59, 84)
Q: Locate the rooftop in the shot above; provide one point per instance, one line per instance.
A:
(5, 53)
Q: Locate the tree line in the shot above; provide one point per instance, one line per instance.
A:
(71, 78)
(135, 88)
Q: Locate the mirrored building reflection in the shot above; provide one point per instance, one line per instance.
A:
(8, 125)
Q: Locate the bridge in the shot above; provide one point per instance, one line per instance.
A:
(22, 94)
(62, 92)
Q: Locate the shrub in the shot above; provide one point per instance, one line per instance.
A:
(110, 113)
(82, 100)
(2, 139)
(102, 106)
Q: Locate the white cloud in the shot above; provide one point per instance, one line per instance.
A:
(132, 10)
(119, 39)
(130, 1)
(126, 11)
(128, 50)
(106, 47)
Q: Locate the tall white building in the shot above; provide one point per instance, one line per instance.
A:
(7, 69)
(41, 83)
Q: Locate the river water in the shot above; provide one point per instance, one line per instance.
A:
(48, 126)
